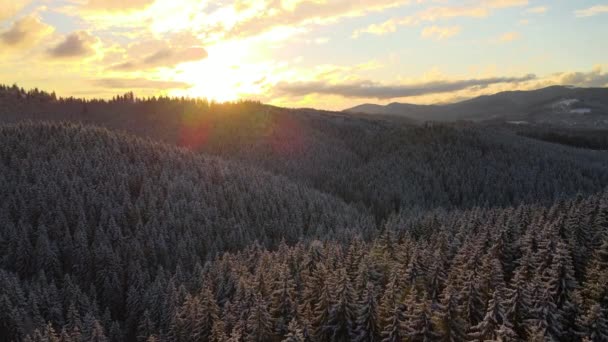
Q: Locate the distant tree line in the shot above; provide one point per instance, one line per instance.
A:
(589, 139)
(377, 165)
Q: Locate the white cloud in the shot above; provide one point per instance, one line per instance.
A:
(481, 9)
(591, 11)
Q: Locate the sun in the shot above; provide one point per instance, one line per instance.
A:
(228, 73)
(213, 77)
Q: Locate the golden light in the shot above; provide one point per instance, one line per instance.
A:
(233, 69)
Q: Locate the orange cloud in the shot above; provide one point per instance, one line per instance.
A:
(116, 5)
(439, 33)
(165, 57)
(77, 44)
(509, 37)
(593, 78)
(137, 83)
(433, 14)
(24, 32)
(537, 10)
(9, 8)
(591, 11)
(298, 12)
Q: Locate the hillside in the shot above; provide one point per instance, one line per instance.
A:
(246, 222)
(528, 273)
(374, 164)
(556, 105)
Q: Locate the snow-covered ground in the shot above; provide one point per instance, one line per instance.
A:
(565, 107)
(580, 111)
(565, 103)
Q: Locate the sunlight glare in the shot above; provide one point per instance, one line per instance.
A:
(229, 73)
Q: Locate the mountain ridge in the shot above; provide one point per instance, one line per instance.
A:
(554, 105)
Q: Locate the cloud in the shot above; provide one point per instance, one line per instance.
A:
(388, 26)
(24, 32)
(9, 8)
(504, 3)
(262, 18)
(216, 21)
(77, 44)
(164, 57)
(509, 37)
(536, 10)
(138, 83)
(439, 33)
(593, 78)
(432, 14)
(369, 89)
(116, 5)
(591, 11)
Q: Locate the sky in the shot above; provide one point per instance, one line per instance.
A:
(327, 54)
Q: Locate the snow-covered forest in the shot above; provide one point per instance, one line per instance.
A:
(185, 220)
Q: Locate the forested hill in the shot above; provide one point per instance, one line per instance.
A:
(184, 220)
(561, 106)
(529, 273)
(64, 178)
(384, 166)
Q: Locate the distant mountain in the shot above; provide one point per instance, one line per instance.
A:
(556, 105)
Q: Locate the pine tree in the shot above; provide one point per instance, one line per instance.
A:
(294, 333)
(506, 334)
(518, 305)
(218, 332)
(560, 282)
(283, 306)
(259, 322)
(594, 324)
(322, 312)
(187, 324)
(340, 322)
(451, 327)
(98, 334)
(146, 327)
(418, 325)
(389, 300)
(547, 319)
(393, 330)
(210, 312)
(594, 289)
(367, 317)
(491, 323)
(472, 304)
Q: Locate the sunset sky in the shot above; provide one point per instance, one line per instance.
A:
(329, 54)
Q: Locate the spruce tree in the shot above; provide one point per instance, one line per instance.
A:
(450, 325)
(259, 322)
(367, 317)
(340, 324)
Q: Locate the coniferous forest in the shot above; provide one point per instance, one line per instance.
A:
(166, 219)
